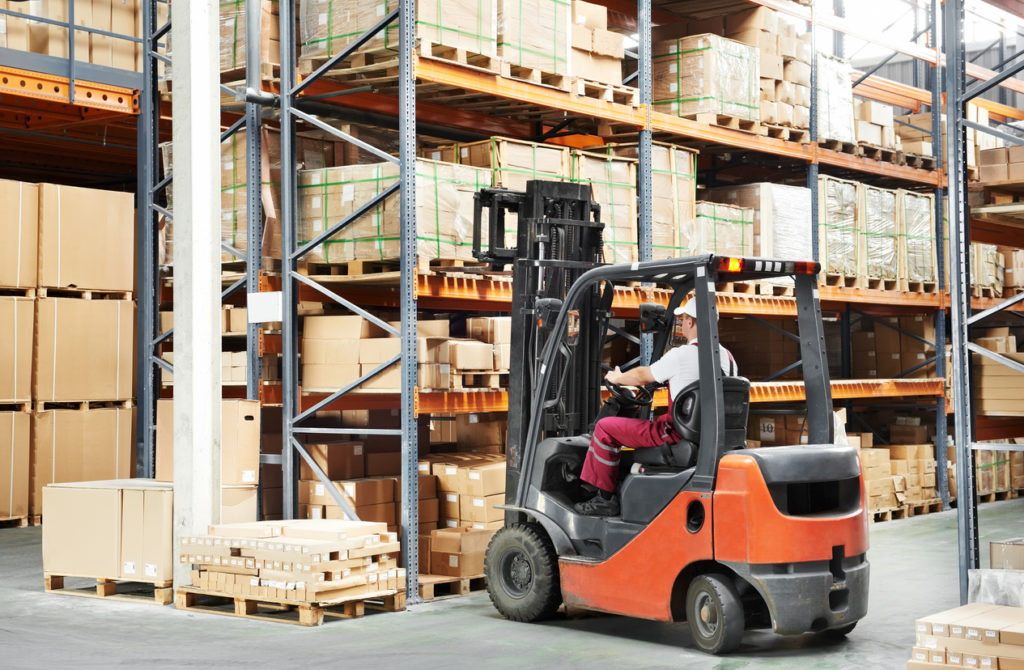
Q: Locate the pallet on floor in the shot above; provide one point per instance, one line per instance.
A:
(617, 93)
(158, 593)
(17, 292)
(433, 587)
(886, 514)
(995, 496)
(14, 522)
(725, 121)
(919, 507)
(301, 613)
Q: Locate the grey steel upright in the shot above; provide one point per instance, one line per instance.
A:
(253, 193)
(645, 186)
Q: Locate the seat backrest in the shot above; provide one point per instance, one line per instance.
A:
(736, 396)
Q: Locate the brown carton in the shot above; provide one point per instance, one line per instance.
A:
(482, 480)
(86, 238)
(481, 509)
(17, 316)
(79, 445)
(908, 434)
(19, 232)
(238, 504)
(470, 355)
(1007, 554)
(481, 430)
(84, 349)
(82, 535)
(458, 552)
(590, 15)
(14, 464)
(493, 329)
(239, 447)
(338, 460)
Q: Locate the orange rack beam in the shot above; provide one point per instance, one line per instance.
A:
(55, 88)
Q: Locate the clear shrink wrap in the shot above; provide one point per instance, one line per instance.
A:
(879, 232)
(838, 233)
(706, 74)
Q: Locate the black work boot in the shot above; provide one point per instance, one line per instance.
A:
(599, 505)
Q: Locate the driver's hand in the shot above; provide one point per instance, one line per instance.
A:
(614, 376)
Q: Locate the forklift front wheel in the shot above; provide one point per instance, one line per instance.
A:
(522, 573)
(715, 614)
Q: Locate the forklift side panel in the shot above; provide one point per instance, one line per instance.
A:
(638, 579)
(750, 528)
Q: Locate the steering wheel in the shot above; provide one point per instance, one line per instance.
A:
(641, 397)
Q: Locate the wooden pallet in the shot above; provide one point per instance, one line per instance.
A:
(744, 287)
(267, 71)
(533, 75)
(35, 519)
(363, 61)
(887, 514)
(842, 281)
(434, 587)
(996, 496)
(840, 146)
(919, 507)
(725, 121)
(21, 406)
(786, 133)
(879, 153)
(770, 289)
(17, 292)
(1010, 291)
(14, 522)
(477, 380)
(376, 266)
(880, 284)
(299, 613)
(919, 161)
(459, 56)
(984, 292)
(920, 286)
(46, 405)
(617, 93)
(158, 593)
(82, 294)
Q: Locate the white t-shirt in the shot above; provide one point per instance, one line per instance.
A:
(679, 366)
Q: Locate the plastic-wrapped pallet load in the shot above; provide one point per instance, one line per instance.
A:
(916, 213)
(782, 219)
(838, 233)
(706, 74)
(535, 34)
(444, 210)
(232, 34)
(674, 196)
(986, 268)
(724, 230)
(327, 27)
(613, 186)
(879, 229)
(835, 99)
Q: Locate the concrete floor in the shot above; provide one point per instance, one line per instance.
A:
(914, 566)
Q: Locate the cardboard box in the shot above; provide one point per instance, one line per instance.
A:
(481, 508)
(609, 45)
(80, 445)
(19, 230)
(386, 463)
(239, 447)
(485, 479)
(429, 510)
(470, 355)
(238, 504)
(481, 430)
(14, 464)
(459, 552)
(338, 460)
(357, 492)
(115, 529)
(493, 329)
(868, 132)
(590, 15)
(706, 73)
(999, 172)
(875, 112)
(450, 507)
(79, 226)
(1007, 554)
(17, 318)
(908, 434)
(85, 349)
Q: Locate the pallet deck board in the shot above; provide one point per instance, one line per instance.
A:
(158, 593)
(296, 612)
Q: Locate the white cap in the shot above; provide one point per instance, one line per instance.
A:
(689, 309)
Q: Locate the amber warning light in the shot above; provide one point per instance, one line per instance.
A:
(730, 264)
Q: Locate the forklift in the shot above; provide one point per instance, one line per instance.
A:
(710, 532)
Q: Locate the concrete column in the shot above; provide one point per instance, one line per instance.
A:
(197, 285)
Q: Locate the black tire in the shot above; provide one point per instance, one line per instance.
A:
(522, 573)
(841, 632)
(715, 614)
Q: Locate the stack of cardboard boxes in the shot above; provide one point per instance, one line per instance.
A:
(881, 491)
(1002, 164)
(874, 124)
(597, 52)
(121, 17)
(881, 351)
(239, 455)
(302, 561)
(977, 635)
(987, 270)
(915, 132)
(918, 250)
(612, 181)
(758, 349)
(879, 233)
(232, 35)
(915, 464)
(838, 227)
(75, 341)
(1013, 267)
(725, 230)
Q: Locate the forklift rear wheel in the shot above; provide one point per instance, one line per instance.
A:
(522, 573)
(715, 614)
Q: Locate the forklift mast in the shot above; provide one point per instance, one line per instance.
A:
(558, 238)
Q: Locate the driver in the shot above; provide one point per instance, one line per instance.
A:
(678, 367)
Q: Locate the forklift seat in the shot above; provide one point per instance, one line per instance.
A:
(686, 422)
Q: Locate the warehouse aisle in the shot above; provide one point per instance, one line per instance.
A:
(914, 567)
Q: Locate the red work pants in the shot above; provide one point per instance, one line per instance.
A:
(601, 467)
